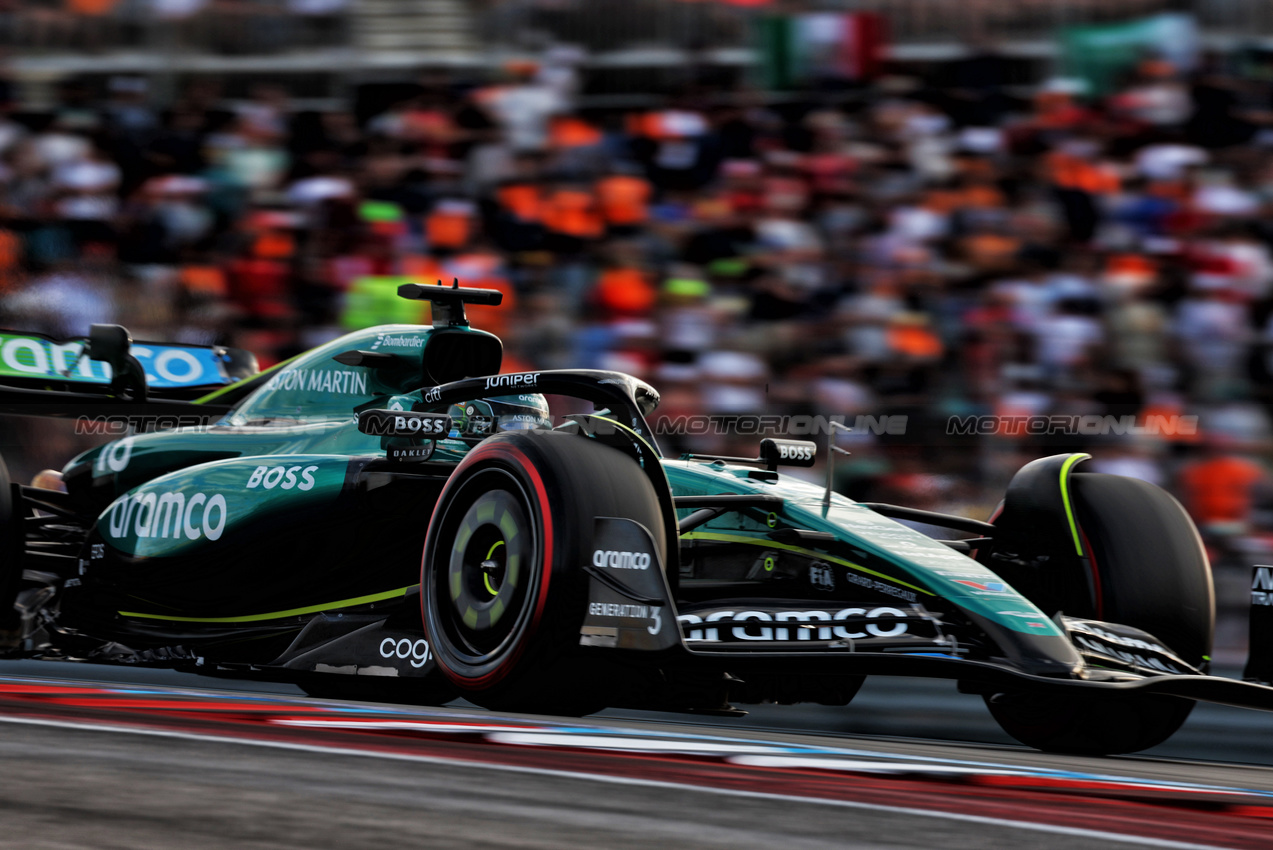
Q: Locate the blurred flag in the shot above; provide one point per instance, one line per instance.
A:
(828, 46)
(1101, 54)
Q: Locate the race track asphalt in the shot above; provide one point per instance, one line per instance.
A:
(91, 771)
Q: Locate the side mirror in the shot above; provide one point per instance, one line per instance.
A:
(110, 344)
(775, 453)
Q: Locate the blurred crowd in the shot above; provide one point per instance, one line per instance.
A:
(927, 249)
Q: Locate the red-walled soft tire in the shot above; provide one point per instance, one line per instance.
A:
(503, 591)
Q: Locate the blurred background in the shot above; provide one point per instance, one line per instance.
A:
(861, 208)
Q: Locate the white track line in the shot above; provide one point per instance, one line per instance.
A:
(1051, 829)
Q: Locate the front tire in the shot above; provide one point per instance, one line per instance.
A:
(503, 589)
(1149, 571)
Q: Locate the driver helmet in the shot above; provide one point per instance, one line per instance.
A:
(485, 416)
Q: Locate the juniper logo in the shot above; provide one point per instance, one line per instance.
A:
(512, 382)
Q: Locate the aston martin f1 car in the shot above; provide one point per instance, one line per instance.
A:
(389, 516)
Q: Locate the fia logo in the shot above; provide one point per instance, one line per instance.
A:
(822, 576)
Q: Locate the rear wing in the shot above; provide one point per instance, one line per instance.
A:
(37, 370)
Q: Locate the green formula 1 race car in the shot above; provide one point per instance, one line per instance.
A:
(389, 517)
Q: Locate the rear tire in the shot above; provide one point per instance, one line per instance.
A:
(1150, 572)
(503, 589)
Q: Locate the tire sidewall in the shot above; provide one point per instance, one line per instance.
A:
(514, 461)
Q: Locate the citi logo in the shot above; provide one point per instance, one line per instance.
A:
(616, 560)
(525, 379)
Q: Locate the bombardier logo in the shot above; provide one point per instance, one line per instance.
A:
(389, 341)
(150, 515)
(621, 560)
(512, 382)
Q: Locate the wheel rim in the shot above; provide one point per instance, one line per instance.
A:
(483, 594)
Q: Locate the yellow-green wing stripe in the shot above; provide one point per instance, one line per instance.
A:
(278, 615)
(787, 547)
(1065, 498)
(217, 393)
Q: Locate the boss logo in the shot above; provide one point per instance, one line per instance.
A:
(415, 651)
(621, 560)
(416, 425)
(788, 452)
(401, 423)
(283, 477)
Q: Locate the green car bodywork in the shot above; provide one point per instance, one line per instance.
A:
(289, 446)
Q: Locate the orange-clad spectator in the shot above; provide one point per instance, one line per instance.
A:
(449, 226)
(424, 269)
(92, 7)
(273, 237)
(989, 251)
(980, 194)
(572, 213)
(1130, 272)
(524, 201)
(626, 292)
(1168, 419)
(568, 131)
(1070, 171)
(10, 259)
(624, 200)
(1055, 108)
(911, 337)
(260, 286)
(1218, 489)
(203, 281)
(483, 269)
